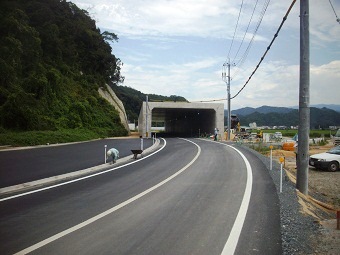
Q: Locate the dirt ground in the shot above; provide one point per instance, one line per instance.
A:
(322, 202)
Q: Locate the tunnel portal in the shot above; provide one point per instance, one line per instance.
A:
(181, 118)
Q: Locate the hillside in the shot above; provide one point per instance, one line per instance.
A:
(53, 61)
(133, 99)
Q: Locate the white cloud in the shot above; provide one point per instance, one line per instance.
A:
(324, 83)
(213, 18)
(158, 58)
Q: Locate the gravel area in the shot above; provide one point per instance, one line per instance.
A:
(301, 232)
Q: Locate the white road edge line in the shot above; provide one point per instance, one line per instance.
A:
(230, 246)
(113, 209)
(81, 178)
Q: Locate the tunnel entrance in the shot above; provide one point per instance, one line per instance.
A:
(181, 118)
(187, 122)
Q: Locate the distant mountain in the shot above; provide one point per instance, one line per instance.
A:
(263, 109)
(282, 116)
(334, 107)
(272, 109)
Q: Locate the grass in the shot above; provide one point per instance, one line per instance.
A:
(31, 138)
(313, 133)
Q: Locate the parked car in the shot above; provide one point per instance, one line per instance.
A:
(329, 160)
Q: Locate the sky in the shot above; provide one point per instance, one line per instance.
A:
(178, 47)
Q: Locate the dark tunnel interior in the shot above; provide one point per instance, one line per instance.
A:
(185, 122)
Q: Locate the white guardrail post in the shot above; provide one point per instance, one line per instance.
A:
(105, 146)
(271, 157)
(281, 162)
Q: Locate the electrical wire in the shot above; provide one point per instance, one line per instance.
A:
(268, 48)
(232, 41)
(262, 58)
(336, 16)
(245, 54)
(245, 33)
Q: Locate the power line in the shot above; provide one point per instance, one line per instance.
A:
(212, 100)
(245, 54)
(245, 33)
(262, 58)
(337, 19)
(232, 41)
(268, 48)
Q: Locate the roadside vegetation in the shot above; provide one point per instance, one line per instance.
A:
(314, 133)
(53, 61)
(263, 148)
(31, 138)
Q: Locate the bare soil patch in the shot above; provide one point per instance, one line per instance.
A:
(322, 202)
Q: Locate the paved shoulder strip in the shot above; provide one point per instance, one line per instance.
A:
(234, 235)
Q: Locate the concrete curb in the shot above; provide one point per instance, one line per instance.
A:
(73, 175)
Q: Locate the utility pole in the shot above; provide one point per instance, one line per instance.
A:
(226, 79)
(304, 110)
(146, 117)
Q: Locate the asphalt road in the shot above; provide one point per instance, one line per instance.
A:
(25, 165)
(188, 198)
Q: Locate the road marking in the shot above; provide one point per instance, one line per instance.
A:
(230, 246)
(113, 209)
(82, 178)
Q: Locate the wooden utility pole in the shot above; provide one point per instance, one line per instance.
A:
(304, 110)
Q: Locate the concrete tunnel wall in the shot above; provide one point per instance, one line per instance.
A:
(181, 118)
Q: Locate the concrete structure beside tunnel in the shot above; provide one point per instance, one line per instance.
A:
(181, 118)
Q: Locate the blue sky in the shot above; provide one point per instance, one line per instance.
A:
(178, 47)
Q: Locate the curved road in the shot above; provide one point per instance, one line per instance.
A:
(25, 165)
(188, 198)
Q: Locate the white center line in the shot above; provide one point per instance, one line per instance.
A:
(113, 209)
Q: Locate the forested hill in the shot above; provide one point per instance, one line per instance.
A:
(53, 59)
(133, 100)
(280, 116)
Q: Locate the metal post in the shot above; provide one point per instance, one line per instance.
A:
(229, 110)
(105, 153)
(304, 110)
(226, 79)
(146, 117)
(281, 179)
(281, 170)
(271, 157)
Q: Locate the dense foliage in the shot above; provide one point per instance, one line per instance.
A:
(133, 100)
(53, 59)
